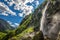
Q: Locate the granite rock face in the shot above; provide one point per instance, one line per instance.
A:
(51, 24)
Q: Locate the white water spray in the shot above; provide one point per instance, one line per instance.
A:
(43, 19)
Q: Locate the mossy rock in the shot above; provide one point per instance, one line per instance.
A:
(28, 38)
(38, 36)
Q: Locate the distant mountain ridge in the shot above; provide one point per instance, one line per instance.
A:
(4, 25)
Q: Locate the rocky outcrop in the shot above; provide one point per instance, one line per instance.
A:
(51, 24)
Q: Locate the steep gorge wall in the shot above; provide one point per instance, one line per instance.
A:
(51, 24)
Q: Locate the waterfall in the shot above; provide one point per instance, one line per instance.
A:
(43, 19)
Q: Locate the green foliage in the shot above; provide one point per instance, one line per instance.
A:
(10, 34)
(22, 35)
(28, 30)
(23, 26)
(2, 35)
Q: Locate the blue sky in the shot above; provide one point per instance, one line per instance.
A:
(13, 11)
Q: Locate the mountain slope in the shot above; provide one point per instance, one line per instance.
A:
(4, 26)
(23, 25)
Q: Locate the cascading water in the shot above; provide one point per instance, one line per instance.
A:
(43, 19)
(53, 28)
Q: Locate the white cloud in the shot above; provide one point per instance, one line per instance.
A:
(16, 24)
(20, 14)
(13, 24)
(21, 5)
(37, 3)
(9, 22)
(6, 9)
(4, 14)
(5, 0)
